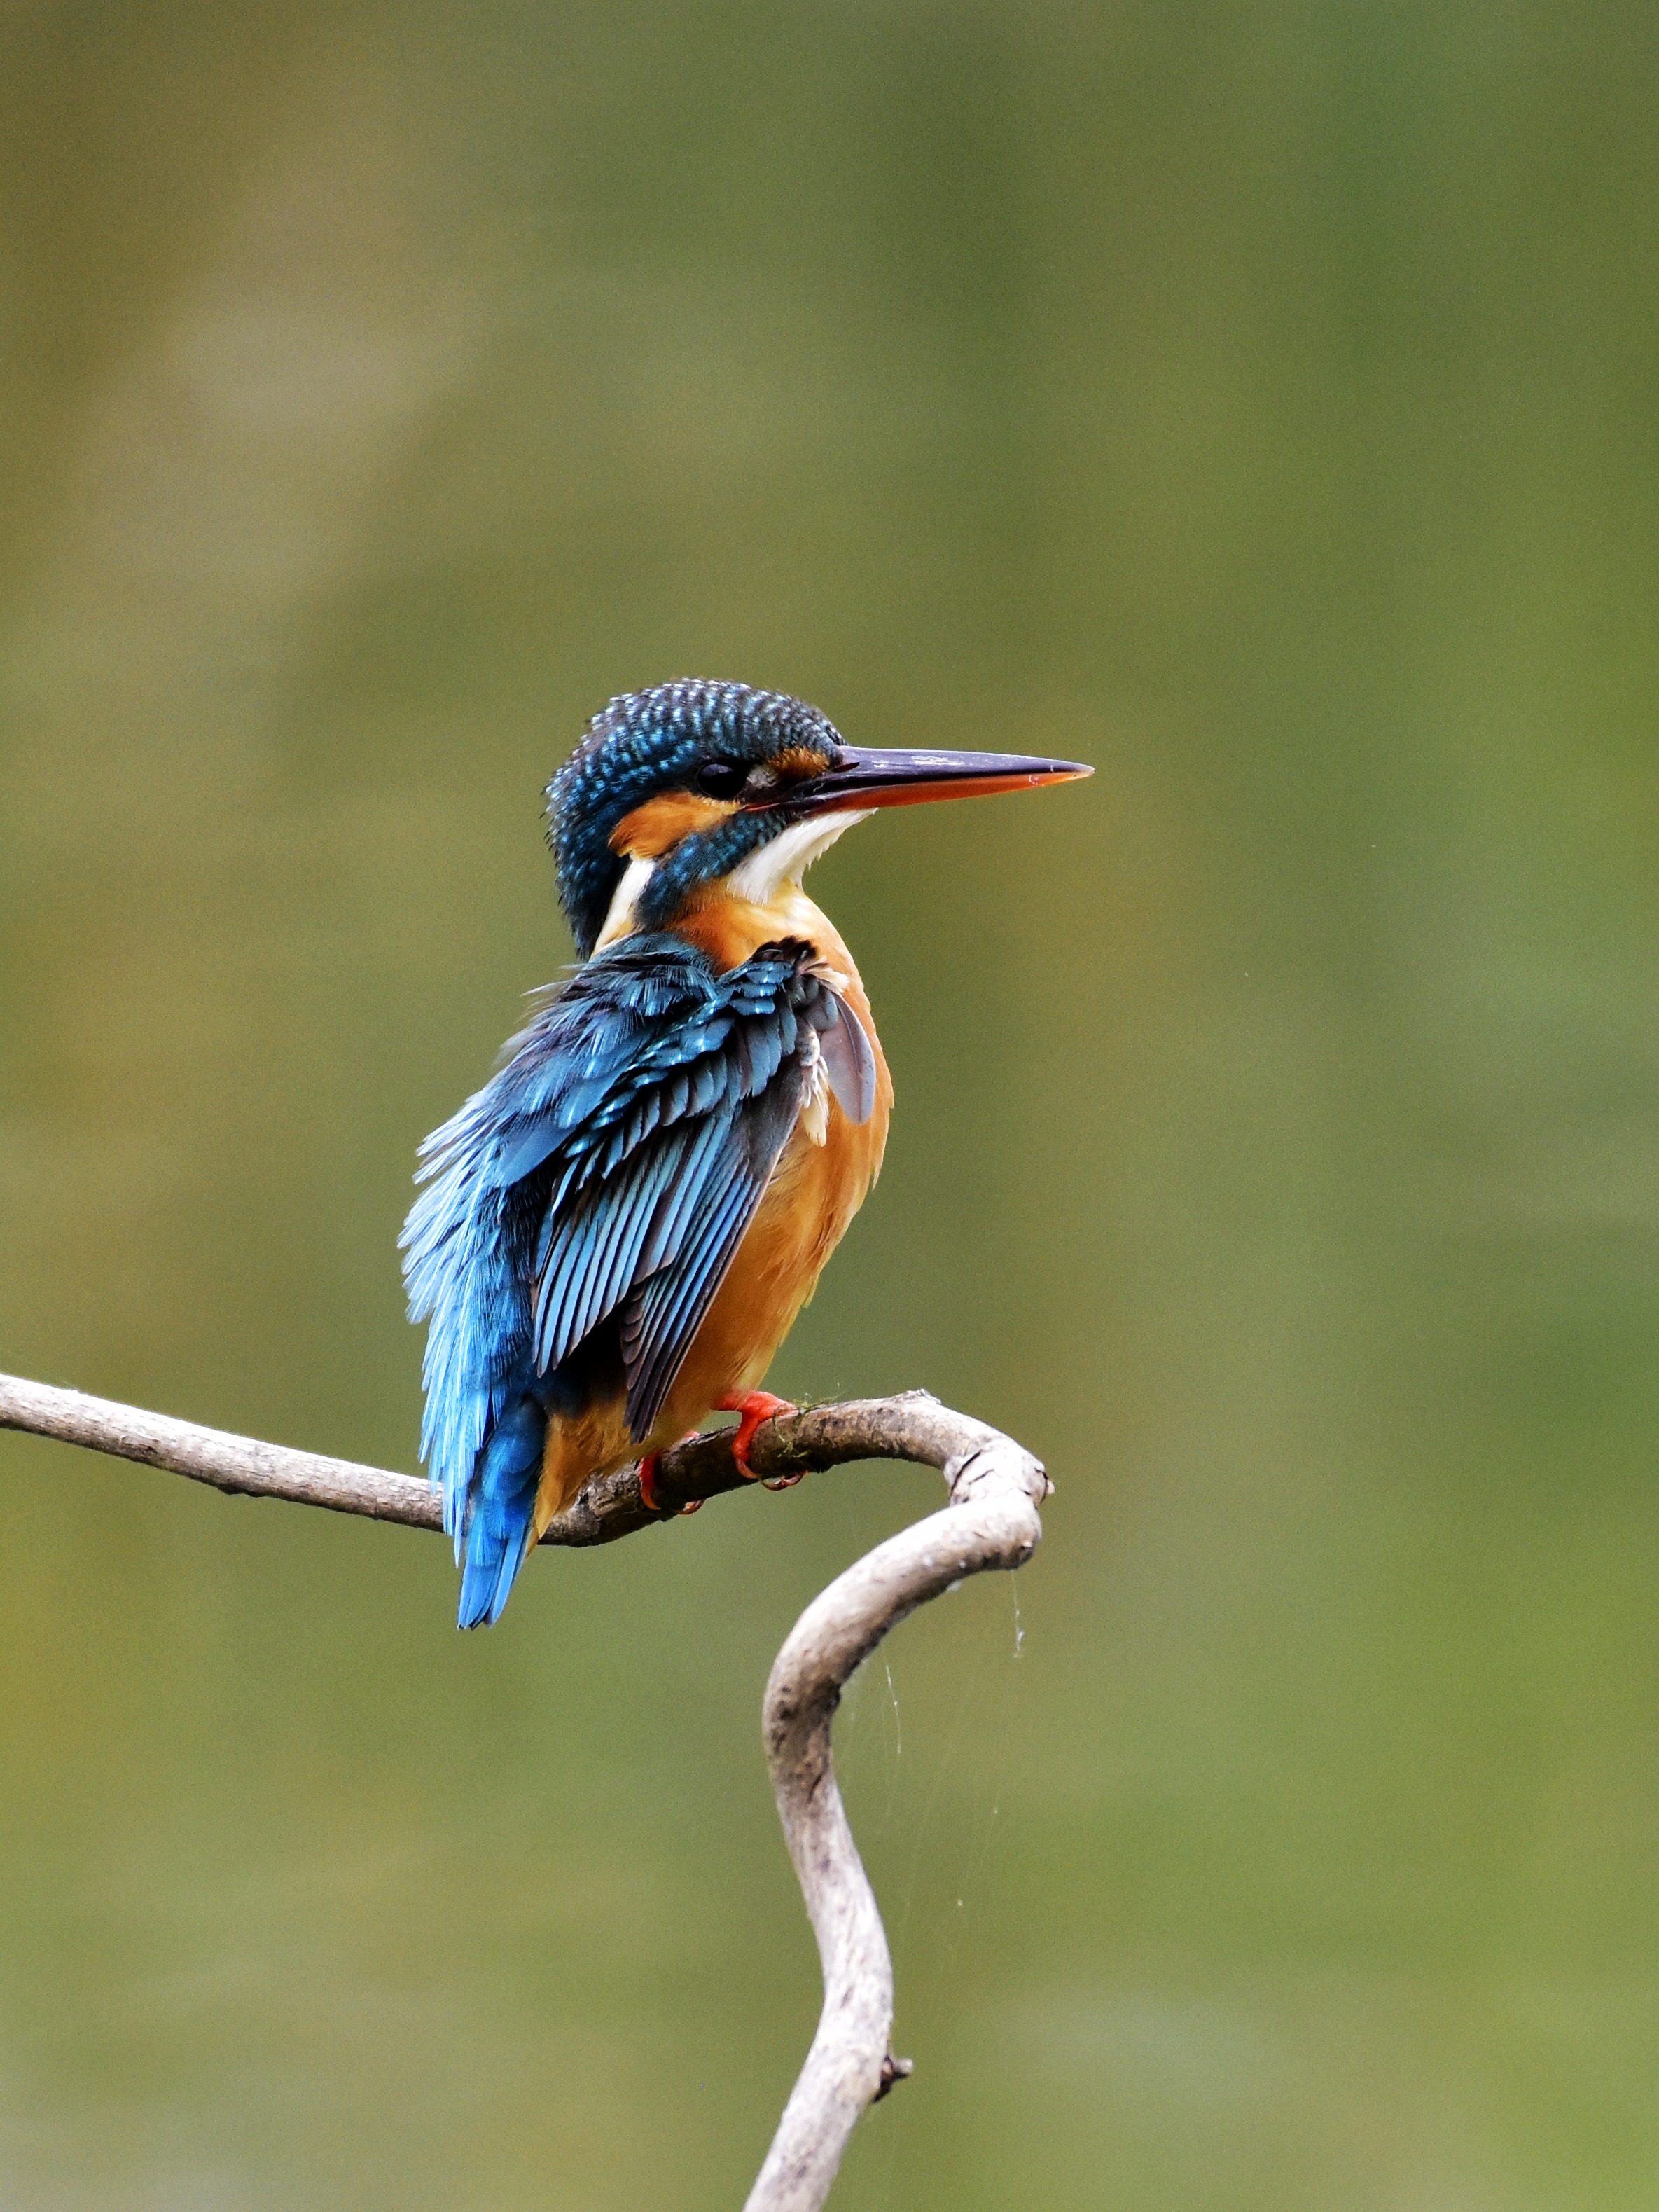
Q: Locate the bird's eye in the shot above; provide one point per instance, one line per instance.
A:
(722, 779)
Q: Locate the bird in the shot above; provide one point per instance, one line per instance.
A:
(612, 1237)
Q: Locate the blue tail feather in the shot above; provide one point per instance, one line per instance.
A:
(503, 1504)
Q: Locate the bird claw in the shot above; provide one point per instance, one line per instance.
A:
(752, 1408)
(648, 1467)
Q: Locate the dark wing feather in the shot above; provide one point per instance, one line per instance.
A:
(665, 1175)
(667, 1309)
(648, 1198)
(597, 1242)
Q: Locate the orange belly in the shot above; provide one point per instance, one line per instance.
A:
(815, 1191)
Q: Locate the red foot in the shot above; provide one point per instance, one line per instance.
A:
(648, 1467)
(754, 1407)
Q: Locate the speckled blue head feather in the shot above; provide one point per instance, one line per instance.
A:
(647, 742)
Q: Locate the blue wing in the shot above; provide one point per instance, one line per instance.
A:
(608, 1170)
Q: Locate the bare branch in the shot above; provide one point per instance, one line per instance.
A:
(239, 1464)
(991, 1521)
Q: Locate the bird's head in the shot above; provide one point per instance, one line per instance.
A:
(695, 783)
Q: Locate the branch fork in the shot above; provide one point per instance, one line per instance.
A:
(994, 1488)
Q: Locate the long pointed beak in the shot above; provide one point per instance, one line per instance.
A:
(863, 777)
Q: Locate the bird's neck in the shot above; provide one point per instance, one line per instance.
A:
(731, 929)
(730, 917)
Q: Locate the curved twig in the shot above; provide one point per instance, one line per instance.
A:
(991, 1521)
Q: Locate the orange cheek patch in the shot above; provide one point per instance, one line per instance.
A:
(656, 827)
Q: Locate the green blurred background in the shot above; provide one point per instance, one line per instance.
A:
(1258, 401)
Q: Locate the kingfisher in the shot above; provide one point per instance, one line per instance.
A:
(617, 1232)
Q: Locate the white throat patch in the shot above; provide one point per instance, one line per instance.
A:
(619, 921)
(786, 858)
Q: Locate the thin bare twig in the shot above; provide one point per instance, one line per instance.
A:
(994, 1488)
(991, 1521)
